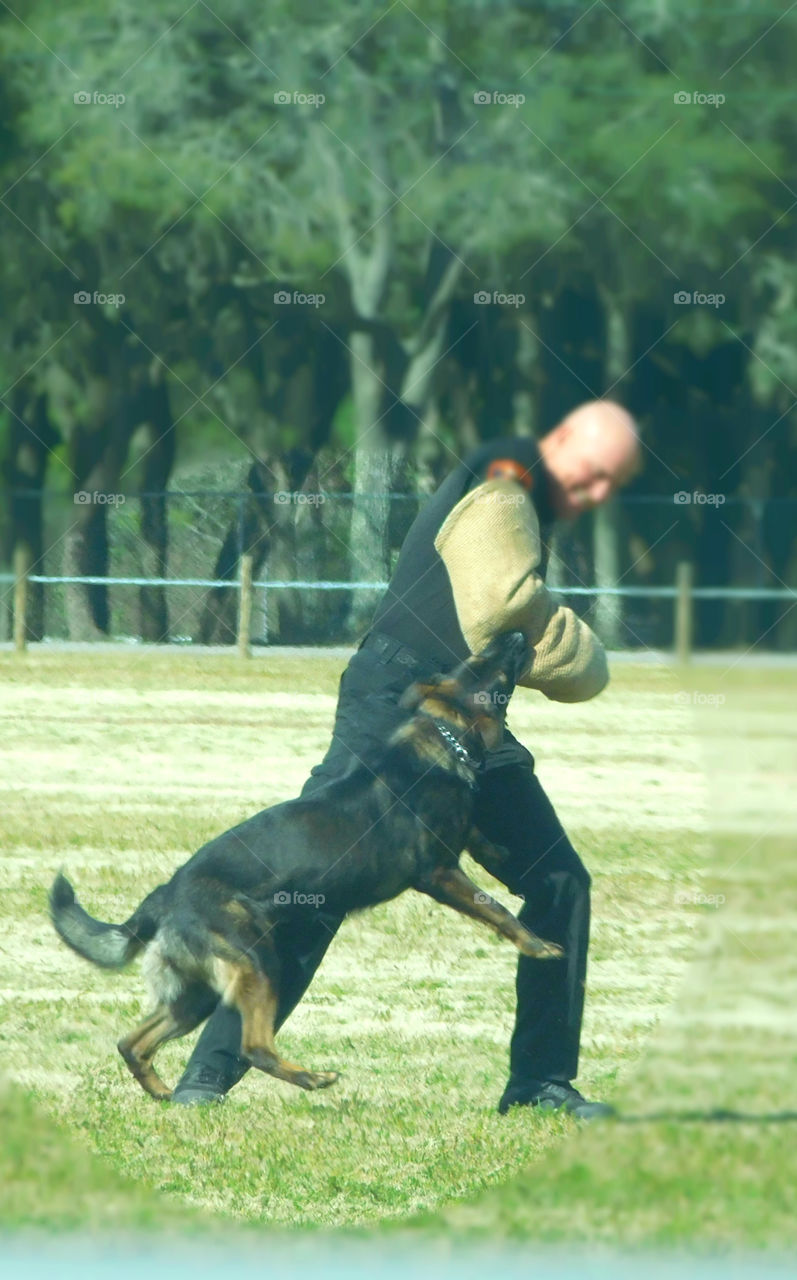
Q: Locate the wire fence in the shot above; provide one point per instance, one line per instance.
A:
(167, 566)
(683, 594)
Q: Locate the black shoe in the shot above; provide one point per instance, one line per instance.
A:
(202, 1085)
(550, 1095)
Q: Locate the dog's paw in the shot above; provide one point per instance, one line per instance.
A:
(317, 1079)
(539, 948)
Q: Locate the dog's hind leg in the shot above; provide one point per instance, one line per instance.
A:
(254, 995)
(168, 1022)
(453, 888)
(140, 1046)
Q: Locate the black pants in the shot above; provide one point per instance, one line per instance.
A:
(512, 810)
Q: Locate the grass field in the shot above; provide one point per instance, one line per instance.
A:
(117, 766)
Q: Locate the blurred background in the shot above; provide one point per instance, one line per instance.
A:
(270, 271)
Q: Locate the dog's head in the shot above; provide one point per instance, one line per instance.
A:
(471, 700)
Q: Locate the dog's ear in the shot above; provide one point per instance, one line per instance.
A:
(415, 694)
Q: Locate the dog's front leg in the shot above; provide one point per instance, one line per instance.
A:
(493, 857)
(453, 888)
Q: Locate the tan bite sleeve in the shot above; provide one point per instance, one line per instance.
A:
(490, 546)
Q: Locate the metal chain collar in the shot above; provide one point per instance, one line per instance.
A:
(456, 746)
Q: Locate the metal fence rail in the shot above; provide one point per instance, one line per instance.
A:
(683, 593)
(275, 584)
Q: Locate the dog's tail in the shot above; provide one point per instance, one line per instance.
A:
(111, 946)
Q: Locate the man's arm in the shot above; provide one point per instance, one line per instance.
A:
(490, 545)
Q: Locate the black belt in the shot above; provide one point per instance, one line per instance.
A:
(390, 650)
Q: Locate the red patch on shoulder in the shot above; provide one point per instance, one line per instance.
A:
(510, 469)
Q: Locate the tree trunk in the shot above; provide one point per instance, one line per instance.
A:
(29, 453)
(154, 519)
(98, 449)
(249, 532)
(373, 473)
(86, 554)
(605, 547)
(524, 401)
(608, 616)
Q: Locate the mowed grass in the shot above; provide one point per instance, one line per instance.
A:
(705, 1150)
(117, 766)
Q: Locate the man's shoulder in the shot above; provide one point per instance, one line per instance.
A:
(509, 457)
(506, 457)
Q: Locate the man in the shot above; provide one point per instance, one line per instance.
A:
(473, 565)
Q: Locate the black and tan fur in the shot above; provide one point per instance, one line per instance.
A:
(209, 933)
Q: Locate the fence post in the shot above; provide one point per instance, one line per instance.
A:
(265, 603)
(245, 608)
(21, 570)
(683, 612)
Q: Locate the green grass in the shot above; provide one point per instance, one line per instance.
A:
(705, 1152)
(51, 1181)
(118, 766)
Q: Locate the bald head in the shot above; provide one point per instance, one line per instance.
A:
(591, 454)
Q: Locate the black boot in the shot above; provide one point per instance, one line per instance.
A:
(215, 1065)
(553, 1095)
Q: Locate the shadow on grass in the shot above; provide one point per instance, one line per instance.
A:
(719, 1115)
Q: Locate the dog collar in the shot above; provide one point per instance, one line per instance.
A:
(460, 751)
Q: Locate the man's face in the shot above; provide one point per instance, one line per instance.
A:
(591, 462)
(588, 483)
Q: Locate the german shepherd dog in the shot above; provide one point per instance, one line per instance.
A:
(208, 933)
